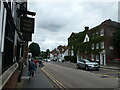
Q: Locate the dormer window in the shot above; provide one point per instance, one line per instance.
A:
(102, 32)
(86, 38)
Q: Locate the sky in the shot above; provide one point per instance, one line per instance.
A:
(55, 20)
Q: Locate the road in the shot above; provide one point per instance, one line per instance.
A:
(67, 77)
(102, 71)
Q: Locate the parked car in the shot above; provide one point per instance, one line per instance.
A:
(48, 60)
(87, 64)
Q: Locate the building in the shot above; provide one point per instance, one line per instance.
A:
(58, 53)
(63, 51)
(12, 42)
(96, 43)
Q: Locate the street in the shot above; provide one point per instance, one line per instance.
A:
(103, 71)
(68, 77)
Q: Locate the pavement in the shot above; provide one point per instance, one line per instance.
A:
(40, 80)
(111, 67)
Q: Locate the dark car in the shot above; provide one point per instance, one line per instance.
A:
(87, 64)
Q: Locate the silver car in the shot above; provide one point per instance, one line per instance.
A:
(87, 64)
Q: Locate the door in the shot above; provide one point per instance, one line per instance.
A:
(102, 59)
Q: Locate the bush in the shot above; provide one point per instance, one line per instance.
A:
(71, 58)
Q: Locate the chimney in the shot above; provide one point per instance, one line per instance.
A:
(86, 28)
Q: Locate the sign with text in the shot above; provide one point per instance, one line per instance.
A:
(27, 25)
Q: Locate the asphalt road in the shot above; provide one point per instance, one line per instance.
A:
(103, 71)
(67, 77)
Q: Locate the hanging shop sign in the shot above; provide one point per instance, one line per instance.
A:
(27, 37)
(27, 25)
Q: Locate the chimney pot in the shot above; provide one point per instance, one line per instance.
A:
(86, 28)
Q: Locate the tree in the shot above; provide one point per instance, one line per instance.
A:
(47, 53)
(34, 49)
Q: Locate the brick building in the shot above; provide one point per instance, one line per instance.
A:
(97, 43)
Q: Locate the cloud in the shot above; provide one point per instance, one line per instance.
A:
(55, 21)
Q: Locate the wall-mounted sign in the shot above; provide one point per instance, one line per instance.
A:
(27, 25)
(27, 37)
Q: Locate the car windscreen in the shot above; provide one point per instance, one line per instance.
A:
(86, 60)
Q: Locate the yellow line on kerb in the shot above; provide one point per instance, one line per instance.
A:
(60, 85)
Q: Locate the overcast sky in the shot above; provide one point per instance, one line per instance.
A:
(55, 21)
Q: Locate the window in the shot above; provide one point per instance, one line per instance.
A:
(102, 45)
(97, 46)
(111, 47)
(92, 57)
(81, 57)
(72, 47)
(97, 57)
(93, 35)
(97, 33)
(102, 32)
(111, 33)
(93, 46)
(86, 39)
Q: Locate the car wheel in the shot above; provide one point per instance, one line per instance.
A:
(86, 68)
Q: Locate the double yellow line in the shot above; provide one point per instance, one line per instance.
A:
(60, 85)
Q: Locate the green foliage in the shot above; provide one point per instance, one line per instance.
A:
(76, 41)
(95, 29)
(96, 51)
(43, 54)
(47, 53)
(116, 37)
(71, 58)
(97, 39)
(84, 47)
(67, 58)
(34, 49)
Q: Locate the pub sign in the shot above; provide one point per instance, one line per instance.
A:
(27, 25)
(27, 37)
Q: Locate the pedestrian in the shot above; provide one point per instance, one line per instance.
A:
(31, 68)
(40, 62)
(35, 61)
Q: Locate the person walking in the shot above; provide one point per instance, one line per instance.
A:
(35, 61)
(31, 68)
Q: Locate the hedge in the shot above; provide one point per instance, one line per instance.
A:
(71, 58)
